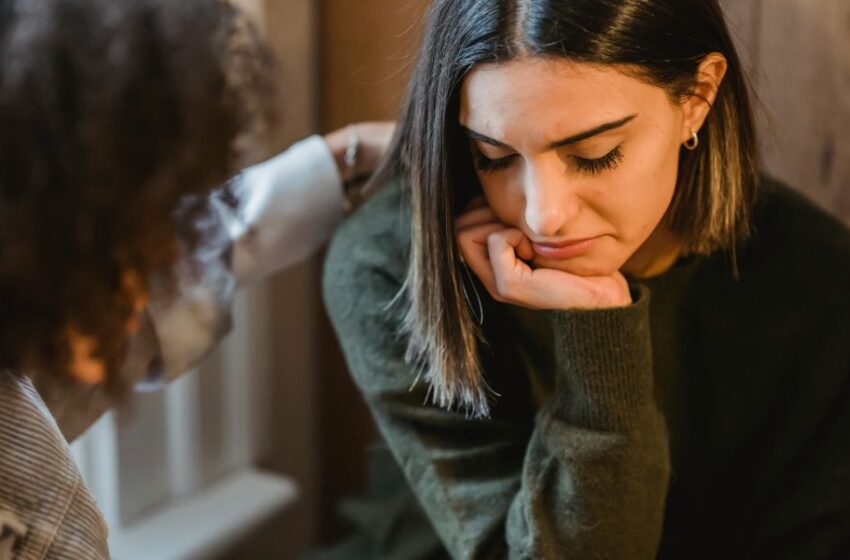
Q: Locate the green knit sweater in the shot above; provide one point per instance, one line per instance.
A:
(711, 418)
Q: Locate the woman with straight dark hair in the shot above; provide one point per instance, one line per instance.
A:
(585, 324)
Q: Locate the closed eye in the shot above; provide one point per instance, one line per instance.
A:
(609, 162)
(485, 164)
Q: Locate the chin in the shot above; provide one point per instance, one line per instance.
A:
(584, 265)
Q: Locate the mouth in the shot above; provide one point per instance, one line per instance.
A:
(564, 250)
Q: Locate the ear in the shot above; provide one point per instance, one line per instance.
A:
(698, 103)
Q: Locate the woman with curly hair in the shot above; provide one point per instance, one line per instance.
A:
(586, 324)
(119, 124)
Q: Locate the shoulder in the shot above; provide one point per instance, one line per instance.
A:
(51, 502)
(788, 215)
(362, 286)
(792, 231)
(794, 271)
(368, 255)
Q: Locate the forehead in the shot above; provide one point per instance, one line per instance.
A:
(562, 93)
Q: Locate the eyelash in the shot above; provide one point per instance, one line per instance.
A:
(609, 162)
(487, 165)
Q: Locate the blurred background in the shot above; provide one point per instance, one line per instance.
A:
(248, 457)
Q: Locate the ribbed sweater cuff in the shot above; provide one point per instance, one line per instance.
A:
(604, 359)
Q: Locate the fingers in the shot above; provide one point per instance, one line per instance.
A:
(516, 282)
(520, 243)
(510, 273)
(494, 252)
(472, 229)
(507, 245)
(476, 216)
(497, 255)
(375, 138)
(371, 139)
(473, 247)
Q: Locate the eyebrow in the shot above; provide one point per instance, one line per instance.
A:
(575, 138)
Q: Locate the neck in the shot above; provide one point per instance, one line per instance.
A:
(656, 256)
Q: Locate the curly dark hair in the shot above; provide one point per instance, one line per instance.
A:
(118, 121)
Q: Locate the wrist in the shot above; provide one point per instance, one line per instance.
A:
(345, 147)
(599, 293)
(604, 357)
(614, 293)
(337, 141)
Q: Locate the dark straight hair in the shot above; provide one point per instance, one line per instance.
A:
(661, 42)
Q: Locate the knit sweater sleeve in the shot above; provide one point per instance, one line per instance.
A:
(589, 482)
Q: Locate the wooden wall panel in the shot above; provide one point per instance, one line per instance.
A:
(742, 17)
(367, 50)
(798, 54)
(805, 55)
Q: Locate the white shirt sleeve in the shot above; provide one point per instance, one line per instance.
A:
(288, 207)
(291, 205)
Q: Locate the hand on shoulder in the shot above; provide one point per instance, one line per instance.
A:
(359, 147)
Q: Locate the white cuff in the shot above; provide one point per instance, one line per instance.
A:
(291, 205)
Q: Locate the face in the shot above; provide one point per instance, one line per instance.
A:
(583, 159)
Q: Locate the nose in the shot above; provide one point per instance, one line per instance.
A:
(550, 201)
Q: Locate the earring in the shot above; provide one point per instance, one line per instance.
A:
(692, 142)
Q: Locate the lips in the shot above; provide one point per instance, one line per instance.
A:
(564, 250)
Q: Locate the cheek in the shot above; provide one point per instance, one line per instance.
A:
(663, 174)
(647, 189)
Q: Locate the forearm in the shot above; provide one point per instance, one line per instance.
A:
(591, 480)
(596, 470)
